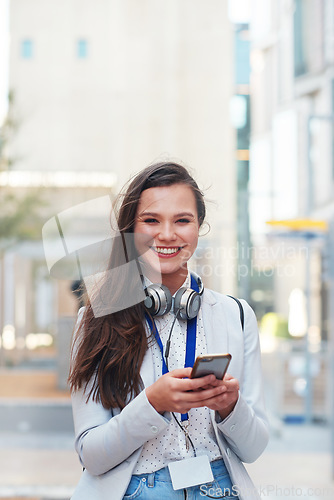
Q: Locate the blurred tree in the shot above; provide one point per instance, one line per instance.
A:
(20, 217)
(276, 325)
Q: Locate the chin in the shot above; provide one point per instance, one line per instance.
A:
(177, 270)
(163, 269)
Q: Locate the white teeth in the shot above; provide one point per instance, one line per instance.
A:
(167, 251)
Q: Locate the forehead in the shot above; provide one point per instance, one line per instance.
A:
(177, 197)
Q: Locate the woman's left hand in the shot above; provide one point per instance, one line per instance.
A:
(225, 402)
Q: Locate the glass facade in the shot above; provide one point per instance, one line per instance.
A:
(309, 17)
(299, 53)
(241, 121)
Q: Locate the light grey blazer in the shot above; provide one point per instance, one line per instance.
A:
(109, 442)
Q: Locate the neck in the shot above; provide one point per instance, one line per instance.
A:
(172, 281)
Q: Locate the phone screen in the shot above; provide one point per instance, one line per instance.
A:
(215, 363)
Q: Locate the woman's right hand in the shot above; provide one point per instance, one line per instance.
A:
(175, 391)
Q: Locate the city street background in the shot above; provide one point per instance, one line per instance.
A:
(38, 461)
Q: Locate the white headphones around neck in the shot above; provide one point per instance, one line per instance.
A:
(185, 304)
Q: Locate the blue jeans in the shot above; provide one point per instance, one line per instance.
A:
(159, 485)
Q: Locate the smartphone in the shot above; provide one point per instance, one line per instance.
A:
(211, 363)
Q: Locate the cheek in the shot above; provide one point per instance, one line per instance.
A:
(193, 237)
(138, 238)
(142, 229)
(143, 236)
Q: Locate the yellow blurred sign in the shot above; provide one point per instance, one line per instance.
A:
(301, 224)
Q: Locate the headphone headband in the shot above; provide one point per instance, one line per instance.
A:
(196, 279)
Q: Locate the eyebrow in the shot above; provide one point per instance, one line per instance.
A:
(155, 214)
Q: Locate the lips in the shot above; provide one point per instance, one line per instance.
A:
(166, 251)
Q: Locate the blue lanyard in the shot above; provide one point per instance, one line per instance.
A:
(190, 342)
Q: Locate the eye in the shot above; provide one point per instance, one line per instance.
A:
(150, 220)
(183, 221)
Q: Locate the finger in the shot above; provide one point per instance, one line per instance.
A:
(195, 383)
(216, 383)
(232, 385)
(218, 402)
(199, 396)
(181, 373)
(206, 387)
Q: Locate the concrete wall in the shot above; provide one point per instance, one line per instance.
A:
(156, 83)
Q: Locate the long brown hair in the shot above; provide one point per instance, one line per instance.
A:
(109, 350)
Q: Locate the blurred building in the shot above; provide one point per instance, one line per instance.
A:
(100, 91)
(240, 114)
(292, 163)
(292, 56)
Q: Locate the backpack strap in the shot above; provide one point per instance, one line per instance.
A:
(242, 316)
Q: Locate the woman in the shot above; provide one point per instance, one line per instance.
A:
(144, 429)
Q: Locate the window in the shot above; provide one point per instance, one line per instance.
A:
(308, 36)
(27, 49)
(82, 49)
(242, 62)
(332, 127)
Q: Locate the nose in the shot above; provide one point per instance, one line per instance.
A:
(166, 232)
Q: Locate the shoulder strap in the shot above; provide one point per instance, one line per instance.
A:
(242, 316)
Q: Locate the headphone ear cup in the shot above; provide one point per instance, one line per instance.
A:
(194, 304)
(187, 303)
(178, 304)
(158, 300)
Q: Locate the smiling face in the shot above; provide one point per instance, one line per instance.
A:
(166, 233)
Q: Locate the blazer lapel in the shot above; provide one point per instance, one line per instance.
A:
(215, 325)
(147, 369)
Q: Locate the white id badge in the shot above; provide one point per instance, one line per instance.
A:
(190, 472)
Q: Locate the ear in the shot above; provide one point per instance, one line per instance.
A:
(202, 228)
